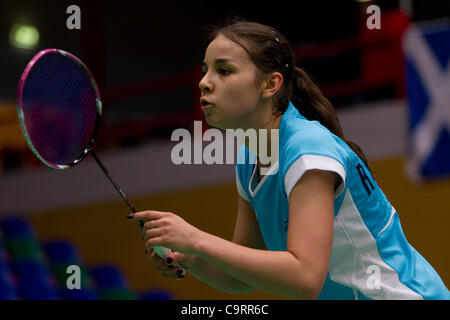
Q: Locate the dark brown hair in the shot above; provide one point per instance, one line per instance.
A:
(271, 52)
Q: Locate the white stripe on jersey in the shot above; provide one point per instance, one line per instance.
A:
(355, 250)
(309, 162)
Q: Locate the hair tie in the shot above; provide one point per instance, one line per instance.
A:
(275, 36)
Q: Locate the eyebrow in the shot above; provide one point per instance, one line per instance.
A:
(219, 61)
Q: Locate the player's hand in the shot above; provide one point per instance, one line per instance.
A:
(168, 268)
(168, 230)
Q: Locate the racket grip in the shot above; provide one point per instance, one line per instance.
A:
(162, 252)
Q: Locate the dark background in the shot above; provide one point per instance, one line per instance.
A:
(126, 43)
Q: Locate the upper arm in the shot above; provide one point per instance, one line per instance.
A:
(247, 231)
(310, 233)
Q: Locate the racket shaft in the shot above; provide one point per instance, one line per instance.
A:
(161, 251)
(114, 183)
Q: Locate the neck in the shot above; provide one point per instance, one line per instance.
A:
(267, 159)
(265, 129)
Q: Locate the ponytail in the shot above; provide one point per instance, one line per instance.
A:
(312, 104)
(270, 51)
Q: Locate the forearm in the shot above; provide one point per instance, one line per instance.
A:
(213, 276)
(278, 272)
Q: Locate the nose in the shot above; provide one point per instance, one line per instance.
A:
(205, 84)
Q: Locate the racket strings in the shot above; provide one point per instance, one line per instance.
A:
(60, 109)
(49, 129)
(67, 122)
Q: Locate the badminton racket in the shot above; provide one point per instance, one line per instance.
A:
(60, 109)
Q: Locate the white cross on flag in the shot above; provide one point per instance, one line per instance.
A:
(427, 52)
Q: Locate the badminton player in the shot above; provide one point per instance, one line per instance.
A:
(316, 225)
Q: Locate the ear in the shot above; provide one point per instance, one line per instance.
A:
(271, 85)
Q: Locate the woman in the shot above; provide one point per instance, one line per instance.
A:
(316, 225)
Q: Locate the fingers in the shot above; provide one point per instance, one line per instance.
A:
(149, 229)
(152, 228)
(180, 259)
(149, 224)
(168, 270)
(146, 215)
(149, 235)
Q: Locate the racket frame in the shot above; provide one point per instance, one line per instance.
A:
(20, 88)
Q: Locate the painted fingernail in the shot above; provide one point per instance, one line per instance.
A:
(179, 271)
(146, 251)
(169, 260)
(130, 216)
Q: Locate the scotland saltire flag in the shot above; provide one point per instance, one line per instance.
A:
(427, 52)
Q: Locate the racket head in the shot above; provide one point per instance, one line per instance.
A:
(59, 108)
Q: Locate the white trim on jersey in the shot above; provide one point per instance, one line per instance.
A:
(355, 251)
(273, 170)
(310, 162)
(389, 221)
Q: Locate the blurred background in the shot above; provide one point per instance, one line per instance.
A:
(145, 57)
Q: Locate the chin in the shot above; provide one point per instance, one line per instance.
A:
(219, 120)
(212, 120)
(214, 124)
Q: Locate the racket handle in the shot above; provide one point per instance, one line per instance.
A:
(162, 252)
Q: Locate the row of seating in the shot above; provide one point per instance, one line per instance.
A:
(33, 270)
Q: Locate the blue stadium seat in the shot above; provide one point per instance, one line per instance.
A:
(61, 251)
(8, 290)
(111, 283)
(156, 294)
(4, 257)
(14, 225)
(76, 294)
(108, 276)
(35, 281)
(61, 254)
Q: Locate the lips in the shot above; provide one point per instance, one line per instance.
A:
(205, 104)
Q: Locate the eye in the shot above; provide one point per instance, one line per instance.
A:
(223, 71)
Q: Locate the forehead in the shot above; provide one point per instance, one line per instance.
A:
(221, 46)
